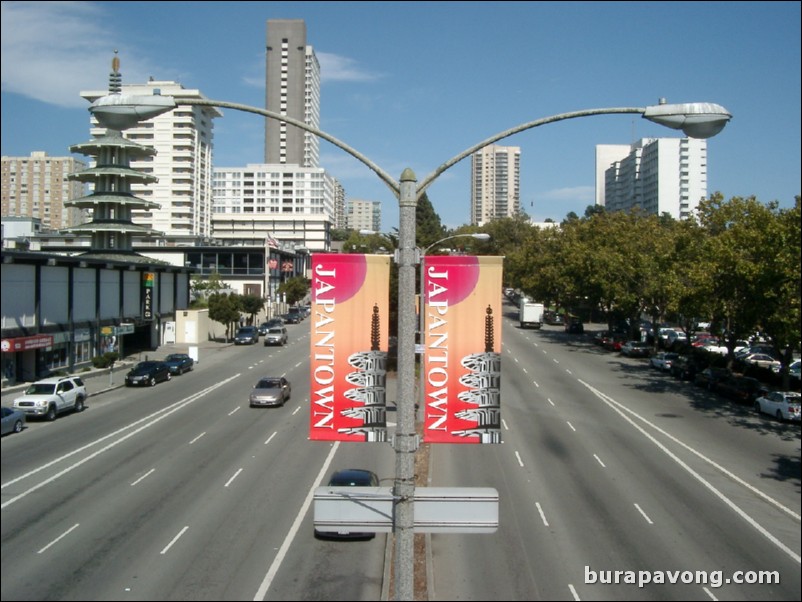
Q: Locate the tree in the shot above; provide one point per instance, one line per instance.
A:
(224, 309)
(428, 227)
(251, 304)
(296, 288)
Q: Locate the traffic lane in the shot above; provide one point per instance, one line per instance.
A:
(762, 453)
(516, 421)
(717, 444)
(153, 446)
(142, 589)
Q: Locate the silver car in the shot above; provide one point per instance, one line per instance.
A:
(276, 335)
(270, 391)
(13, 420)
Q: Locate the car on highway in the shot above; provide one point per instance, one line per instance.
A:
(276, 335)
(662, 361)
(50, 397)
(13, 421)
(350, 477)
(270, 391)
(247, 335)
(783, 405)
(179, 363)
(147, 374)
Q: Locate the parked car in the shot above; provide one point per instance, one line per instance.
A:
(552, 317)
(573, 325)
(246, 335)
(277, 335)
(178, 363)
(742, 389)
(270, 391)
(51, 396)
(147, 374)
(350, 477)
(662, 361)
(762, 360)
(709, 377)
(13, 421)
(636, 349)
(783, 405)
(685, 368)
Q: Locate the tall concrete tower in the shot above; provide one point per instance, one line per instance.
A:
(292, 89)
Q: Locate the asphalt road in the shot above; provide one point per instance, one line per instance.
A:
(183, 492)
(607, 465)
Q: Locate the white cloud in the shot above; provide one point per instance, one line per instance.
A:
(584, 194)
(51, 51)
(335, 68)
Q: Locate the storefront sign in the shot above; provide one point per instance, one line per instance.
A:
(27, 343)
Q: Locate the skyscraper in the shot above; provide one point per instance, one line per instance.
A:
(658, 175)
(38, 186)
(495, 183)
(292, 89)
(183, 140)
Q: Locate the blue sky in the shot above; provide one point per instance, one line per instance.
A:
(413, 84)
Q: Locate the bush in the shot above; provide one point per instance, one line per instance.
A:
(106, 360)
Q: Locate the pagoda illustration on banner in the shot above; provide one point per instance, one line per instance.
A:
(484, 389)
(369, 380)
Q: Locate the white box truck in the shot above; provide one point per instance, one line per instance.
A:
(531, 315)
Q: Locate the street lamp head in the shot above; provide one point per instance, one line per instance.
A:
(481, 236)
(695, 119)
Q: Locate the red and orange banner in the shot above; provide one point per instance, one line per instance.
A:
(350, 326)
(462, 349)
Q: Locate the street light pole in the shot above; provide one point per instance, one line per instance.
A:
(698, 120)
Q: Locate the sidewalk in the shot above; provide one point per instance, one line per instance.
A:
(116, 378)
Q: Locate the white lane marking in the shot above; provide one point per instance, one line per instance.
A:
(534, 382)
(198, 437)
(270, 438)
(296, 410)
(571, 425)
(144, 476)
(152, 418)
(573, 592)
(236, 474)
(175, 539)
(234, 410)
(504, 424)
(67, 532)
(282, 552)
(542, 514)
(521, 462)
(616, 405)
(648, 520)
(550, 401)
(598, 459)
(710, 594)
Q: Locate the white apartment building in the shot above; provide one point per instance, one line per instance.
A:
(495, 183)
(37, 187)
(292, 89)
(658, 175)
(364, 215)
(183, 139)
(292, 205)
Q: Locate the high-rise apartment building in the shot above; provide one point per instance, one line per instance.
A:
(183, 140)
(274, 204)
(292, 89)
(658, 175)
(38, 186)
(495, 183)
(364, 215)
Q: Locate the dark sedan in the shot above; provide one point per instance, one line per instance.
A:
(350, 477)
(147, 374)
(179, 363)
